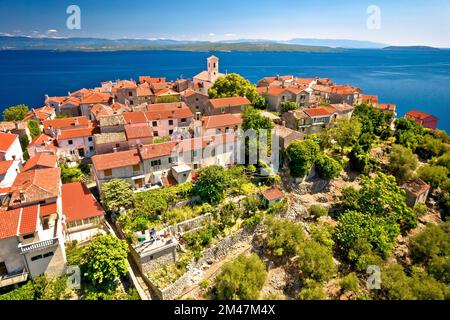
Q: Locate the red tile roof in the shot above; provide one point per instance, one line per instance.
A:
(370, 99)
(96, 97)
(6, 141)
(78, 202)
(65, 123)
(138, 131)
(42, 139)
(273, 194)
(116, 160)
(387, 106)
(190, 92)
(230, 102)
(48, 209)
(416, 114)
(36, 185)
(28, 220)
(320, 111)
(9, 221)
(223, 120)
(151, 80)
(344, 90)
(41, 160)
(159, 150)
(134, 117)
(77, 133)
(168, 110)
(5, 165)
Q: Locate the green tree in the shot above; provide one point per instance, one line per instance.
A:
(70, 174)
(302, 155)
(34, 128)
(241, 279)
(283, 237)
(116, 194)
(106, 260)
(25, 292)
(229, 213)
(211, 184)
(433, 241)
(312, 291)
(402, 163)
(360, 160)
(16, 113)
(233, 85)
(430, 147)
(345, 132)
(288, 106)
(327, 167)
(444, 161)
(436, 176)
(374, 122)
(315, 261)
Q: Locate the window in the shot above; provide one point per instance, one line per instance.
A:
(117, 145)
(222, 110)
(195, 166)
(213, 152)
(183, 120)
(131, 102)
(155, 123)
(170, 122)
(196, 99)
(155, 133)
(130, 94)
(35, 258)
(108, 173)
(70, 142)
(170, 131)
(28, 236)
(136, 167)
(194, 154)
(173, 159)
(91, 149)
(48, 254)
(90, 139)
(155, 163)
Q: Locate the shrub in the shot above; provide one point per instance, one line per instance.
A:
(327, 167)
(302, 155)
(283, 237)
(318, 211)
(436, 176)
(312, 291)
(402, 163)
(315, 261)
(241, 279)
(350, 282)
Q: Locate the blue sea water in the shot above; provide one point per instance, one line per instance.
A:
(410, 79)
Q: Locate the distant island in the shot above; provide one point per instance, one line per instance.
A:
(412, 48)
(94, 44)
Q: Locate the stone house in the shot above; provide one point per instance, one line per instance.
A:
(416, 192)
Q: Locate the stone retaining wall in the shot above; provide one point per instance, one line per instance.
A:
(209, 256)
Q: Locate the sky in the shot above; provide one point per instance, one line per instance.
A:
(400, 22)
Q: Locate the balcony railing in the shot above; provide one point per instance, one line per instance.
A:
(13, 278)
(38, 245)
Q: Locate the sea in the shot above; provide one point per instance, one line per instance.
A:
(408, 78)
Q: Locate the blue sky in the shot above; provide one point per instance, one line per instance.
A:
(403, 22)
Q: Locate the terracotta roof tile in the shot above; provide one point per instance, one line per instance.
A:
(320, 111)
(35, 185)
(9, 221)
(65, 123)
(78, 202)
(138, 131)
(6, 141)
(222, 120)
(41, 160)
(230, 102)
(28, 220)
(116, 160)
(419, 114)
(273, 194)
(5, 165)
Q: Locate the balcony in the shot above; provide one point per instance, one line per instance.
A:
(38, 245)
(13, 278)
